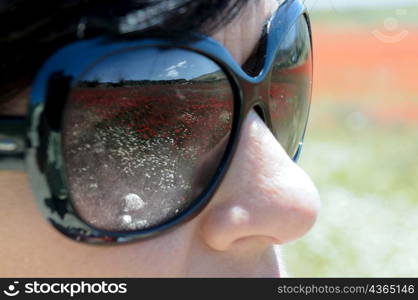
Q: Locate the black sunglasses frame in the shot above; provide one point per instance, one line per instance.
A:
(44, 159)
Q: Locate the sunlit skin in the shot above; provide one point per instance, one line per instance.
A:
(265, 199)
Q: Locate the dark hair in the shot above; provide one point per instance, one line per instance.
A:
(30, 30)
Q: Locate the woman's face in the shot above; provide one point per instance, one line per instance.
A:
(265, 199)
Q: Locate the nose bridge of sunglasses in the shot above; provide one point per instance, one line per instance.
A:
(257, 97)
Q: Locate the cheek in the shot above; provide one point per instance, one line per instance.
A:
(33, 248)
(21, 224)
(16, 202)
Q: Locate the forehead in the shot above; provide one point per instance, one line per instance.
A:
(242, 34)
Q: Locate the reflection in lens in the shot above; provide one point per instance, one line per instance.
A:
(139, 130)
(290, 91)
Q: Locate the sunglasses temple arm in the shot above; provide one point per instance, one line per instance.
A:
(12, 143)
(298, 152)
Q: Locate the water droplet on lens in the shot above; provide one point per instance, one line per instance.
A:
(141, 223)
(133, 202)
(135, 225)
(93, 186)
(127, 219)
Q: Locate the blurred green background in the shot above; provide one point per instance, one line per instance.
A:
(361, 147)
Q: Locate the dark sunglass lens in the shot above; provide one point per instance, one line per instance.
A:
(144, 133)
(291, 82)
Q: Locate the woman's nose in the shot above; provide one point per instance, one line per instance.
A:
(263, 195)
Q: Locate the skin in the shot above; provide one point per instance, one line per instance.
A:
(264, 200)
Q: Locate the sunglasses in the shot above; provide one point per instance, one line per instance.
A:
(126, 139)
